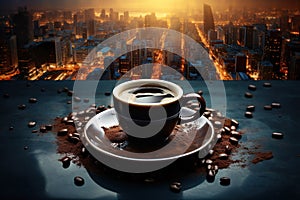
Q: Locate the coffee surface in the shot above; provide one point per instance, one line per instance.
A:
(147, 95)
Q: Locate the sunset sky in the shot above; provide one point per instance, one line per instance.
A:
(143, 4)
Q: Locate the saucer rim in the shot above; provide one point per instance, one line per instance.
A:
(112, 110)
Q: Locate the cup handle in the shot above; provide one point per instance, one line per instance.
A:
(198, 113)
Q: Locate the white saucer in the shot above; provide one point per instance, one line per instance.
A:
(94, 139)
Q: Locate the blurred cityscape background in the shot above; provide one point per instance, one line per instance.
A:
(51, 40)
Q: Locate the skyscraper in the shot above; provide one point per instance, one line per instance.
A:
(208, 18)
(89, 15)
(23, 27)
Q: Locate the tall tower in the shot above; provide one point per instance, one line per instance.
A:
(89, 15)
(208, 18)
(23, 27)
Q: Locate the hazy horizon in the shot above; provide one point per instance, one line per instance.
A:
(150, 5)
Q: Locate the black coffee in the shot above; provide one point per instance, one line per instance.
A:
(147, 94)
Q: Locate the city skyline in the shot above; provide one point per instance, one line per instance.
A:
(153, 5)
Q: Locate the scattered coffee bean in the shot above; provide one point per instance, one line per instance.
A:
(43, 129)
(227, 130)
(236, 134)
(218, 124)
(208, 161)
(69, 102)
(268, 107)
(70, 93)
(66, 161)
(77, 99)
(252, 87)
(84, 152)
(34, 131)
(211, 152)
(210, 177)
(232, 128)
(86, 100)
(32, 100)
(62, 132)
(248, 114)
(75, 134)
(107, 93)
(70, 122)
(11, 128)
(277, 135)
(250, 108)
(223, 156)
(234, 123)
(65, 89)
(200, 92)
(207, 114)
(233, 140)
(175, 187)
(209, 167)
(6, 95)
(219, 137)
(149, 180)
(225, 181)
(267, 84)
(26, 147)
(43, 89)
(22, 107)
(31, 124)
(109, 106)
(216, 168)
(275, 105)
(248, 95)
(228, 149)
(79, 181)
(48, 127)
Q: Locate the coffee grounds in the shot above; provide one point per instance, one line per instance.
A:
(77, 153)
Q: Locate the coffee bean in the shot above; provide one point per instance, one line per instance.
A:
(218, 124)
(65, 89)
(233, 140)
(6, 95)
(208, 161)
(109, 106)
(210, 177)
(107, 93)
(223, 156)
(219, 137)
(200, 92)
(79, 181)
(275, 105)
(69, 102)
(209, 167)
(48, 127)
(149, 180)
(225, 181)
(227, 149)
(74, 140)
(175, 187)
(26, 147)
(22, 107)
(84, 152)
(77, 99)
(75, 134)
(250, 108)
(252, 87)
(70, 122)
(43, 129)
(267, 84)
(66, 161)
(11, 128)
(268, 107)
(236, 134)
(62, 132)
(32, 100)
(248, 95)
(234, 123)
(277, 135)
(43, 89)
(31, 124)
(232, 128)
(216, 168)
(248, 114)
(211, 152)
(207, 114)
(70, 93)
(59, 91)
(34, 131)
(227, 130)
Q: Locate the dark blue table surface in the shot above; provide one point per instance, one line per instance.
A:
(36, 173)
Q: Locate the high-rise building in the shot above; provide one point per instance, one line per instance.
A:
(23, 27)
(75, 24)
(266, 70)
(208, 18)
(150, 20)
(102, 15)
(8, 47)
(89, 16)
(272, 49)
(126, 16)
(292, 56)
(240, 62)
